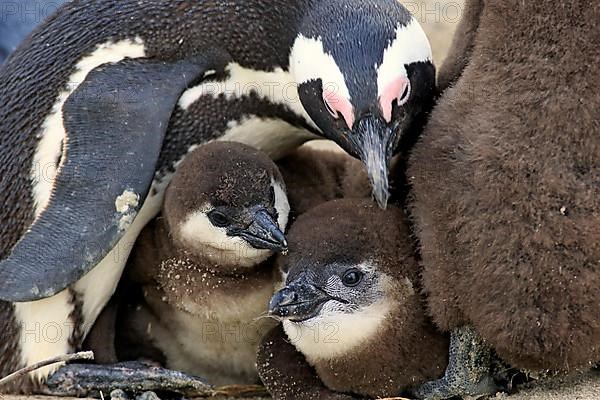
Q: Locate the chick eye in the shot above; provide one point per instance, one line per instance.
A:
(352, 277)
(219, 219)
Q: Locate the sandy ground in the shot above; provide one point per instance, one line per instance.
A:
(577, 387)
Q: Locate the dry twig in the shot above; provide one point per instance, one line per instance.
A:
(84, 355)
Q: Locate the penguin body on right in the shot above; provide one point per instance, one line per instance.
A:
(506, 185)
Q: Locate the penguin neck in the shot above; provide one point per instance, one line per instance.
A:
(341, 328)
(223, 260)
(220, 265)
(371, 365)
(199, 287)
(204, 315)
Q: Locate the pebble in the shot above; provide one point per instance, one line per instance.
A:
(118, 394)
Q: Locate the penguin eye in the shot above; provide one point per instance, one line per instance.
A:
(331, 111)
(219, 219)
(405, 94)
(337, 105)
(272, 195)
(352, 277)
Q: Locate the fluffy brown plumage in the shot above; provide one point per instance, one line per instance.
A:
(190, 299)
(151, 296)
(315, 176)
(506, 183)
(402, 349)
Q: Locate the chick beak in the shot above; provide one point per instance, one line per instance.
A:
(264, 232)
(375, 141)
(298, 302)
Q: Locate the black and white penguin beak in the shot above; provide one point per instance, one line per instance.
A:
(298, 302)
(264, 232)
(374, 142)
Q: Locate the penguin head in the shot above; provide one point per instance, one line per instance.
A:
(227, 202)
(364, 72)
(350, 263)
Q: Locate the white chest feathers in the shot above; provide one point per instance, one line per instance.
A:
(217, 340)
(333, 334)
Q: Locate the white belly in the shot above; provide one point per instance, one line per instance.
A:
(217, 342)
(273, 136)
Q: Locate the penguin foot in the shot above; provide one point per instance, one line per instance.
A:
(119, 394)
(92, 380)
(469, 371)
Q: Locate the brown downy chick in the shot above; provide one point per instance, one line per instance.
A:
(203, 266)
(506, 188)
(351, 306)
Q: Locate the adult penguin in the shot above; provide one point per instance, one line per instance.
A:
(103, 100)
(506, 193)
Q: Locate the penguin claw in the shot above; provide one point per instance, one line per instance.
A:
(469, 371)
(92, 380)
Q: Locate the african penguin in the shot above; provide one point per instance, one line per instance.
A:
(506, 189)
(351, 306)
(105, 98)
(201, 267)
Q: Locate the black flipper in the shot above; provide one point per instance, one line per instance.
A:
(115, 122)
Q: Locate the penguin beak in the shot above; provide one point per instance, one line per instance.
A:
(298, 302)
(374, 142)
(264, 233)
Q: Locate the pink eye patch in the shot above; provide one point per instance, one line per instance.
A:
(338, 105)
(398, 90)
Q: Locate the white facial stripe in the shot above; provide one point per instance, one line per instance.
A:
(272, 136)
(198, 229)
(282, 204)
(334, 334)
(53, 132)
(309, 61)
(278, 86)
(410, 45)
(199, 233)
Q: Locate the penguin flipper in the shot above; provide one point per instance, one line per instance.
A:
(115, 121)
